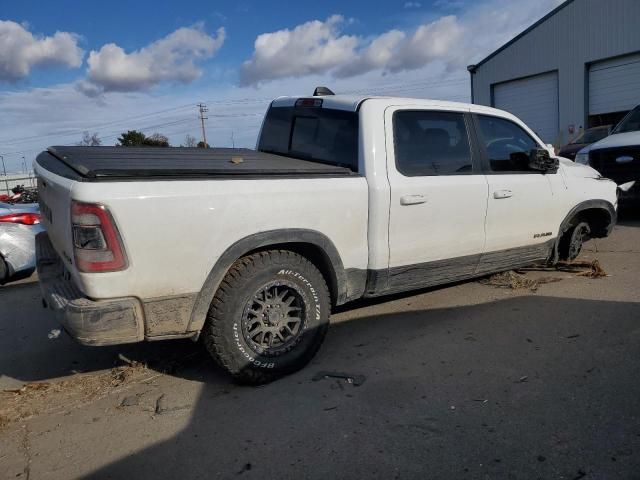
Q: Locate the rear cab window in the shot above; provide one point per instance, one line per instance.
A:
(312, 133)
(431, 142)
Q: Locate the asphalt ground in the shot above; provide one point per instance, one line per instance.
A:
(468, 381)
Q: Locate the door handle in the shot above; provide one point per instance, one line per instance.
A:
(412, 199)
(502, 194)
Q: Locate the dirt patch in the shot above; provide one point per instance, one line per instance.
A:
(51, 397)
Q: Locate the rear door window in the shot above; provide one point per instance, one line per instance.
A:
(431, 143)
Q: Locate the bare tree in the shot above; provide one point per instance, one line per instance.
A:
(89, 140)
(190, 141)
(157, 140)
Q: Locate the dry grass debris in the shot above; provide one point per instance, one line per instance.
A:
(516, 280)
(38, 398)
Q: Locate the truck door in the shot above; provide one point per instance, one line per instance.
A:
(438, 197)
(522, 216)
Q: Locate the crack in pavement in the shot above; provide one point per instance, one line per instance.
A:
(26, 448)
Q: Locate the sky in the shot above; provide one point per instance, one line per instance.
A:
(107, 67)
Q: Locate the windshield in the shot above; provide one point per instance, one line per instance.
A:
(312, 133)
(592, 135)
(630, 123)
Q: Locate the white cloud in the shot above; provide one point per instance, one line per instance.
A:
(172, 58)
(318, 47)
(412, 4)
(20, 51)
(311, 48)
(394, 51)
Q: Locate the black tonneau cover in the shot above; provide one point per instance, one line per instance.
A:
(117, 163)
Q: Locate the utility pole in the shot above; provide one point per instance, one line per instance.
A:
(6, 183)
(203, 109)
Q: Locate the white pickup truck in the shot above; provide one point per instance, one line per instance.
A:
(344, 198)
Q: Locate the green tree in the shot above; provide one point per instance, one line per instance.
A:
(201, 144)
(132, 138)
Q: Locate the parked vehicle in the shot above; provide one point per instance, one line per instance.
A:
(345, 197)
(19, 225)
(589, 136)
(618, 156)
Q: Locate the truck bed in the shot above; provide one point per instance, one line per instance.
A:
(94, 164)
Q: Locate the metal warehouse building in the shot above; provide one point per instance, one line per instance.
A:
(579, 66)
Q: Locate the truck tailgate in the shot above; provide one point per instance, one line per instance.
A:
(55, 207)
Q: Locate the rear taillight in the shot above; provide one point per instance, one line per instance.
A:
(21, 218)
(96, 242)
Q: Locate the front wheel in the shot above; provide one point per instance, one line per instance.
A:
(268, 317)
(572, 241)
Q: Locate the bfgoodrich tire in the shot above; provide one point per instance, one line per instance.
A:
(268, 317)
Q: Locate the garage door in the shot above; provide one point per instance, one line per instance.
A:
(614, 85)
(534, 100)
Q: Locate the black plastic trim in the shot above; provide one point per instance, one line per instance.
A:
(586, 205)
(441, 272)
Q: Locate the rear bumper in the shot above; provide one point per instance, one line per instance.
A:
(90, 322)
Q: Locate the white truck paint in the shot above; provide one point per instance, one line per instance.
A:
(382, 230)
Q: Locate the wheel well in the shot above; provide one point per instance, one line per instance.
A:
(598, 219)
(315, 255)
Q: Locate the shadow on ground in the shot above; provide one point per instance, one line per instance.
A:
(527, 387)
(629, 215)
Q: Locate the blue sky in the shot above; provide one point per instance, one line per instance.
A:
(70, 66)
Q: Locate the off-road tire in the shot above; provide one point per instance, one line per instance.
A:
(223, 333)
(572, 240)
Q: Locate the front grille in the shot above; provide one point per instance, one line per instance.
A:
(621, 164)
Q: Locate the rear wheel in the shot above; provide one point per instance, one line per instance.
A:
(269, 316)
(573, 239)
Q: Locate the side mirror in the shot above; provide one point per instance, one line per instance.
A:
(539, 159)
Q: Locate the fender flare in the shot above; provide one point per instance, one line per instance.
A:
(258, 241)
(586, 205)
